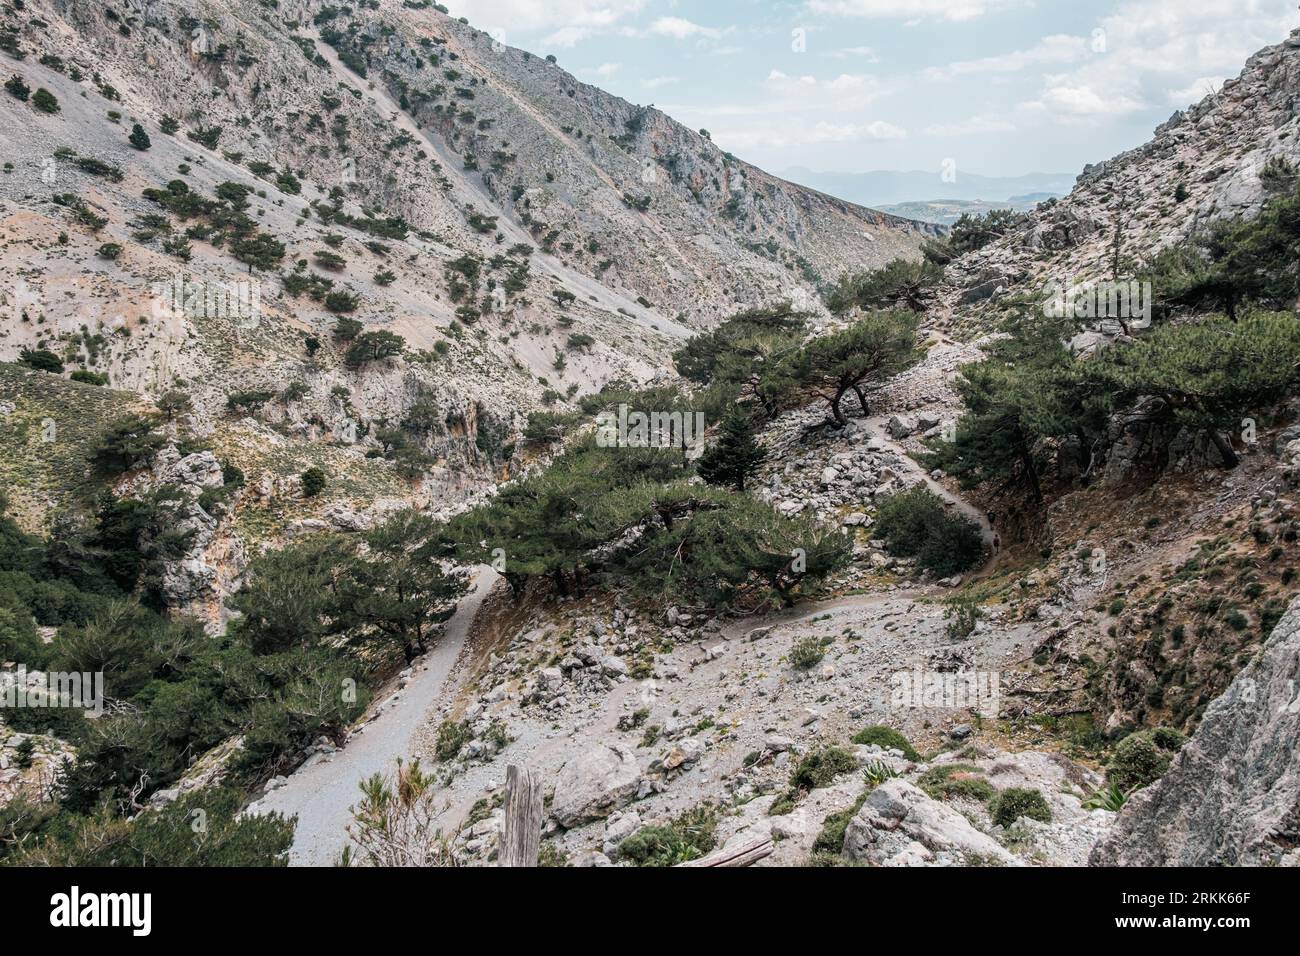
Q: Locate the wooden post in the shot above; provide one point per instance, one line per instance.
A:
(522, 831)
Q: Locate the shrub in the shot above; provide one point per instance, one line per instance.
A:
(43, 360)
(807, 653)
(17, 88)
(821, 767)
(166, 837)
(125, 443)
(372, 347)
(314, 481)
(345, 330)
(688, 837)
(915, 524)
(962, 615)
(139, 138)
(831, 837)
(393, 825)
(249, 400)
(1016, 802)
(451, 737)
(887, 739)
(956, 780)
(1142, 758)
(45, 101)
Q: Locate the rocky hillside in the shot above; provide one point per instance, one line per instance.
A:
(1206, 163)
(1232, 796)
(527, 235)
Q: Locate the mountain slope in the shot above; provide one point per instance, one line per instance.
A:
(528, 236)
(1204, 164)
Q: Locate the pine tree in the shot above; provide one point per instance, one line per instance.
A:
(1210, 373)
(139, 138)
(863, 356)
(17, 88)
(735, 456)
(900, 283)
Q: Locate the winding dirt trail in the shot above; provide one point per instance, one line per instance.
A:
(321, 792)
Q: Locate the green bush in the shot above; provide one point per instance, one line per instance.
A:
(45, 101)
(43, 360)
(887, 739)
(963, 615)
(915, 524)
(956, 780)
(831, 837)
(204, 828)
(1142, 758)
(807, 653)
(314, 481)
(1016, 802)
(820, 768)
(689, 837)
(452, 736)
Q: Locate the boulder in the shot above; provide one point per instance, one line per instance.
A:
(1232, 795)
(898, 817)
(684, 754)
(614, 666)
(899, 427)
(595, 784)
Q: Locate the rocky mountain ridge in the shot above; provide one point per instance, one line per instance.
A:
(1205, 164)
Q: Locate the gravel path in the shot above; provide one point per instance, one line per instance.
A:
(321, 792)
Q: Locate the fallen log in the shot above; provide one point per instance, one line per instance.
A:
(747, 854)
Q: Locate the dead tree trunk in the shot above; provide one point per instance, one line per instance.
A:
(522, 833)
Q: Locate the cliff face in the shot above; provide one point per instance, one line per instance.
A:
(1232, 796)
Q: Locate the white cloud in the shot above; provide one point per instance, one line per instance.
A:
(799, 110)
(912, 10)
(1086, 101)
(605, 70)
(847, 91)
(1196, 91)
(855, 52)
(658, 82)
(1058, 50)
(824, 132)
(1154, 52)
(567, 37)
(680, 29)
(534, 15)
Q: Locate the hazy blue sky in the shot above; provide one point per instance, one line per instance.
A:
(1001, 87)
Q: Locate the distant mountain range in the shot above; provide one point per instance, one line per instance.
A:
(889, 187)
